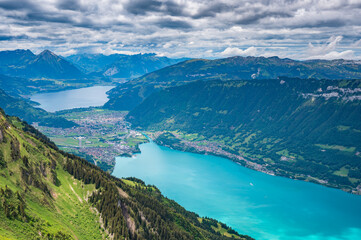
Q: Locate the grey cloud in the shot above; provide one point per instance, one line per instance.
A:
(16, 4)
(212, 10)
(70, 5)
(173, 9)
(175, 24)
(273, 36)
(142, 7)
(333, 23)
(252, 18)
(205, 26)
(46, 17)
(9, 38)
(33, 18)
(91, 24)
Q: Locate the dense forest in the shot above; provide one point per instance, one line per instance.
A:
(46, 193)
(129, 95)
(22, 108)
(306, 129)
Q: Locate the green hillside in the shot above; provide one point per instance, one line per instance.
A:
(128, 95)
(21, 108)
(303, 129)
(49, 194)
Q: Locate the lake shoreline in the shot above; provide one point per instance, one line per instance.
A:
(256, 167)
(53, 101)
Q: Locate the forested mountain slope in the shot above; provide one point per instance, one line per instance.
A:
(304, 129)
(130, 94)
(22, 109)
(49, 194)
(16, 86)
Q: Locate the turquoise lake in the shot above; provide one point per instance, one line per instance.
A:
(75, 98)
(253, 203)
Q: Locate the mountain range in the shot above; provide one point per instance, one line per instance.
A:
(121, 65)
(23, 63)
(24, 73)
(130, 94)
(48, 65)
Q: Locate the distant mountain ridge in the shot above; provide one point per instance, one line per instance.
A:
(121, 65)
(16, 57)
(49, 65)
(130, 94)
(23, 63)
(24, 73)
(92, 63)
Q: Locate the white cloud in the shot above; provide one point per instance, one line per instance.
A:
(348, 54)
(233, 51)
(328, 50)
(67, 53)
(110, 51)
(322, 49)
(167, 45)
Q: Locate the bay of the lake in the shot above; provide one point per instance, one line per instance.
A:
(75, 98)
(253, 203)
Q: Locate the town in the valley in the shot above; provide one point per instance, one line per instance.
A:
(101, 135)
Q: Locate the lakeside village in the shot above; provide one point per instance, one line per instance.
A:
(101, 136)
(186, 142)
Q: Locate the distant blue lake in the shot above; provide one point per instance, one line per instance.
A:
(254, 203)
(75, 98)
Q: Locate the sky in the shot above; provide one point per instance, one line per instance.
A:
(297, 29)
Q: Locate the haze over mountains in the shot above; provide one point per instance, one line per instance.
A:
(121, 65)
(23, 63)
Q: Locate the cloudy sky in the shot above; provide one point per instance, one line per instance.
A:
(299, 29)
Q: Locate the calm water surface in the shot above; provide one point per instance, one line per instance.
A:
(263, 206)
(76, 98)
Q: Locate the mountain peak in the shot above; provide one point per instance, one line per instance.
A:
(51, 65)
(47, 53)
